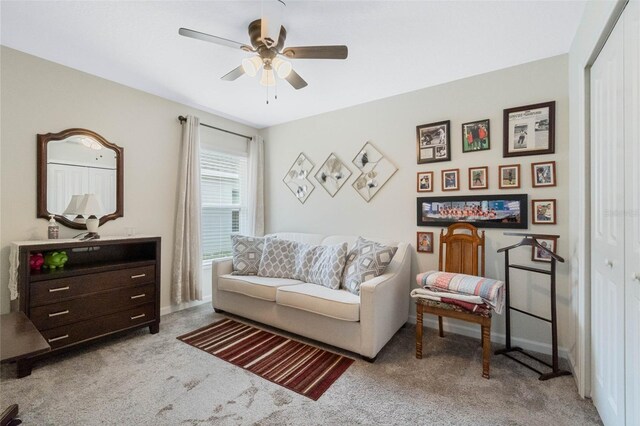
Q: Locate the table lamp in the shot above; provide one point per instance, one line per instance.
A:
(91, 206)
(73, 208)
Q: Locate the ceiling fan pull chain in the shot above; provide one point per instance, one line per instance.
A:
(267, 95)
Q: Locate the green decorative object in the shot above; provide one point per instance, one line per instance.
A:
(55, 259)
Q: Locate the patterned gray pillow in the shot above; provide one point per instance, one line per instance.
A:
(366, 260)
(321, 264)
(247, 252)
(278, 259)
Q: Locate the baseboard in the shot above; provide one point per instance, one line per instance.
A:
(175, 308)
(530, 345)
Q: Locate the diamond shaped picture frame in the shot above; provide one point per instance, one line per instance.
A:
(376, 171)
(333, 174)
(297, 178)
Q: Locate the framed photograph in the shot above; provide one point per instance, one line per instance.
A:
(488, 211)
(543, 174)
(478, 177)
(543, 212)
(425, 181)
(297, 178)
(425, 242)
(433, 142)
(451, 180)
(333, 174)
(475, 136)
(529, 130)
(375, 170)
(509, 176)
(539, 255)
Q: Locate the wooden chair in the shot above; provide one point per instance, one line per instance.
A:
(461, 251)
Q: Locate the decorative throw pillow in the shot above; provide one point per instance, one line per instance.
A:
(366, 260)
(278, 258)
(247, 252)
(321, 264)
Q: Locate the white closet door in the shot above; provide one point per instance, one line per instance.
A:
(607, 231)
(632, 199)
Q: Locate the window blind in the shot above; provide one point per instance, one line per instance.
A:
(224, 196)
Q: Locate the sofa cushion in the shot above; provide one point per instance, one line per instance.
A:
(321, 264)
(250, 285)
(278, 258)
(339, 304)
(247, 252)
(365, 261)
(309, 263)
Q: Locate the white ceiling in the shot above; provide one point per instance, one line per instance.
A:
(394, 46)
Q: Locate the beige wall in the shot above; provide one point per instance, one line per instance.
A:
(390, 124)
(40, 97)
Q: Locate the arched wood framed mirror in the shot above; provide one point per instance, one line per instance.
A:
(79, 162)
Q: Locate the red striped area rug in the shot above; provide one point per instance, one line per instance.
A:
(302, 368)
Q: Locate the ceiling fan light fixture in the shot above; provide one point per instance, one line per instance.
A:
(252, 65)
(268, 78)
(282, 68)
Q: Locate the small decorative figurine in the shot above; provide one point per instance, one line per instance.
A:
(55, 259)
(36, 260)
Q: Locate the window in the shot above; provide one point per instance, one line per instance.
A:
(224, 207)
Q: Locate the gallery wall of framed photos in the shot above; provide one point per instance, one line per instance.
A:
(528, 131)
(391, 126)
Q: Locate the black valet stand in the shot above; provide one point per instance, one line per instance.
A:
(531, 240)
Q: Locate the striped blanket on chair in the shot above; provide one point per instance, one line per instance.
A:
(473, 289)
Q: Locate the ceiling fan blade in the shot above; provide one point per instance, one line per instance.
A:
(316, 52)
(295, 80)
(213, 39)
(233, 74)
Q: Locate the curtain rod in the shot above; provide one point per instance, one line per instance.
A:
(183, 119)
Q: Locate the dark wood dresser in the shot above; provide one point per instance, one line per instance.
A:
(106, 286)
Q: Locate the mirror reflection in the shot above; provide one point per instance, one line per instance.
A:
(76, 166)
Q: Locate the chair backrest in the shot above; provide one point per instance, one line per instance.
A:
(459, 250)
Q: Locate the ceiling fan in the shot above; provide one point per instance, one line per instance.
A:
(268, 54)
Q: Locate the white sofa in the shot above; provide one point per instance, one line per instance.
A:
(361, 324)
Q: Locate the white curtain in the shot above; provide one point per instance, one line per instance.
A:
(187, 256)
(256, 187)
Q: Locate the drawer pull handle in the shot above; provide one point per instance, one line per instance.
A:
(138, 316)
(53, 290)
(138, 296)
(55, 339)
(133, 277)
(55, 314)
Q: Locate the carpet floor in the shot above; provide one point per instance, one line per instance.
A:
(144, 379)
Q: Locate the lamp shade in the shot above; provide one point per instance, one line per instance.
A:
(282, 68)
(90, 205)
(74, 205)
(268, 78)
(251, 65)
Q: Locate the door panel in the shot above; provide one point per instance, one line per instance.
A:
(632, 209)
(607, 233)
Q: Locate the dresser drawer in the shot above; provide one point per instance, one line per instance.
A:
(100, 326)
(52, 291)
(94, 305)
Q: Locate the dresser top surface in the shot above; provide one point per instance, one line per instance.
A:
(70, 242)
